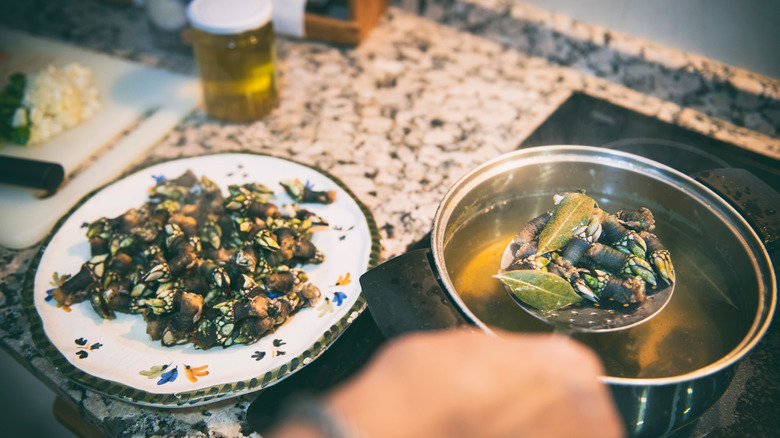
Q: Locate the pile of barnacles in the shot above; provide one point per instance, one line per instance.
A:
(610, 258)
(200, 267)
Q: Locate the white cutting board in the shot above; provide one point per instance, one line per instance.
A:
(146, 101)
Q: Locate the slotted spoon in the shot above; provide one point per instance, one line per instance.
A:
(588, 316)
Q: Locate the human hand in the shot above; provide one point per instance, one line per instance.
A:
(469, 384)
(459, 383)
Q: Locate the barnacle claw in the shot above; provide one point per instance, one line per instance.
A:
(224, 330)
(211, 233)
(531, 262)
(173, 233)
(638, 267)
(558, 197)
(565, 269)
(524, 243)
(247, 286)
(100, 228)
(641, 219)
(168, 206)
(239, 198)
(262, 269)
(150, 252)
(97, 265)
(294, 189)
(625, 265)
(582, 288)
(591, 231)
(659, 257)
(160, 273)
(227, 309)
(245, 334)
(137, 305)
(303, 193)
(208, 186)
(163, 302)
(156, 304)
(631, 243)
(596, 280)
(258, 190)
(246, 259)
(235, 204)
(215, 273)
(265, 239)
(99, 304)
(662, 262)
(159, 306)
(621, 238)
(607, 286)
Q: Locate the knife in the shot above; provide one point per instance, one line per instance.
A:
(403, 295)
(31, 173)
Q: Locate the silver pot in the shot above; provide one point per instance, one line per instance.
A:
(724, 299)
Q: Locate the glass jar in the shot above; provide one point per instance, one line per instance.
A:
(235, 52)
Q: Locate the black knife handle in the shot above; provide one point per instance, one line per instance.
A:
(31, 173)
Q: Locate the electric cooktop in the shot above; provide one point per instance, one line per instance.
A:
(750, 405)
(586, 120)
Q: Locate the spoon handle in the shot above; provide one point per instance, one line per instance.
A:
(562, 330)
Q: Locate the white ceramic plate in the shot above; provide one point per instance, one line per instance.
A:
(118, 359)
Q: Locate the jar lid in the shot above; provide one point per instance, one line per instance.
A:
(224, 17)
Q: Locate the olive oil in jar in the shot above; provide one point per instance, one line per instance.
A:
(236, 57)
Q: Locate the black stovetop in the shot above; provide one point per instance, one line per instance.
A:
(750, 406)
(586, 120)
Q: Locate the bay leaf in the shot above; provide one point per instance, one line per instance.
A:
(539, 289)
(572, 212)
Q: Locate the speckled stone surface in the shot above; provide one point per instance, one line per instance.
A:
(428, 96)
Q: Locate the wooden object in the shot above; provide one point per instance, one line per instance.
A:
(363, 16)
(67, 415)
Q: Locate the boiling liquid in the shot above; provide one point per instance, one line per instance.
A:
(238, 73)
(682, 338)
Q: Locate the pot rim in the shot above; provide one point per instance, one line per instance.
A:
(628, 162)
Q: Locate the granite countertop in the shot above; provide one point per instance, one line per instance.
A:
(428, 96)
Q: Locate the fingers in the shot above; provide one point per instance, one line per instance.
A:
(571, 371)
(462, 383)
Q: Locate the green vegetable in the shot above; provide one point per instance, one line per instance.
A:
(572, 212)
(542, 290)
(10, 100)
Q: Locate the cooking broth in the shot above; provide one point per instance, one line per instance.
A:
(682, 338)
